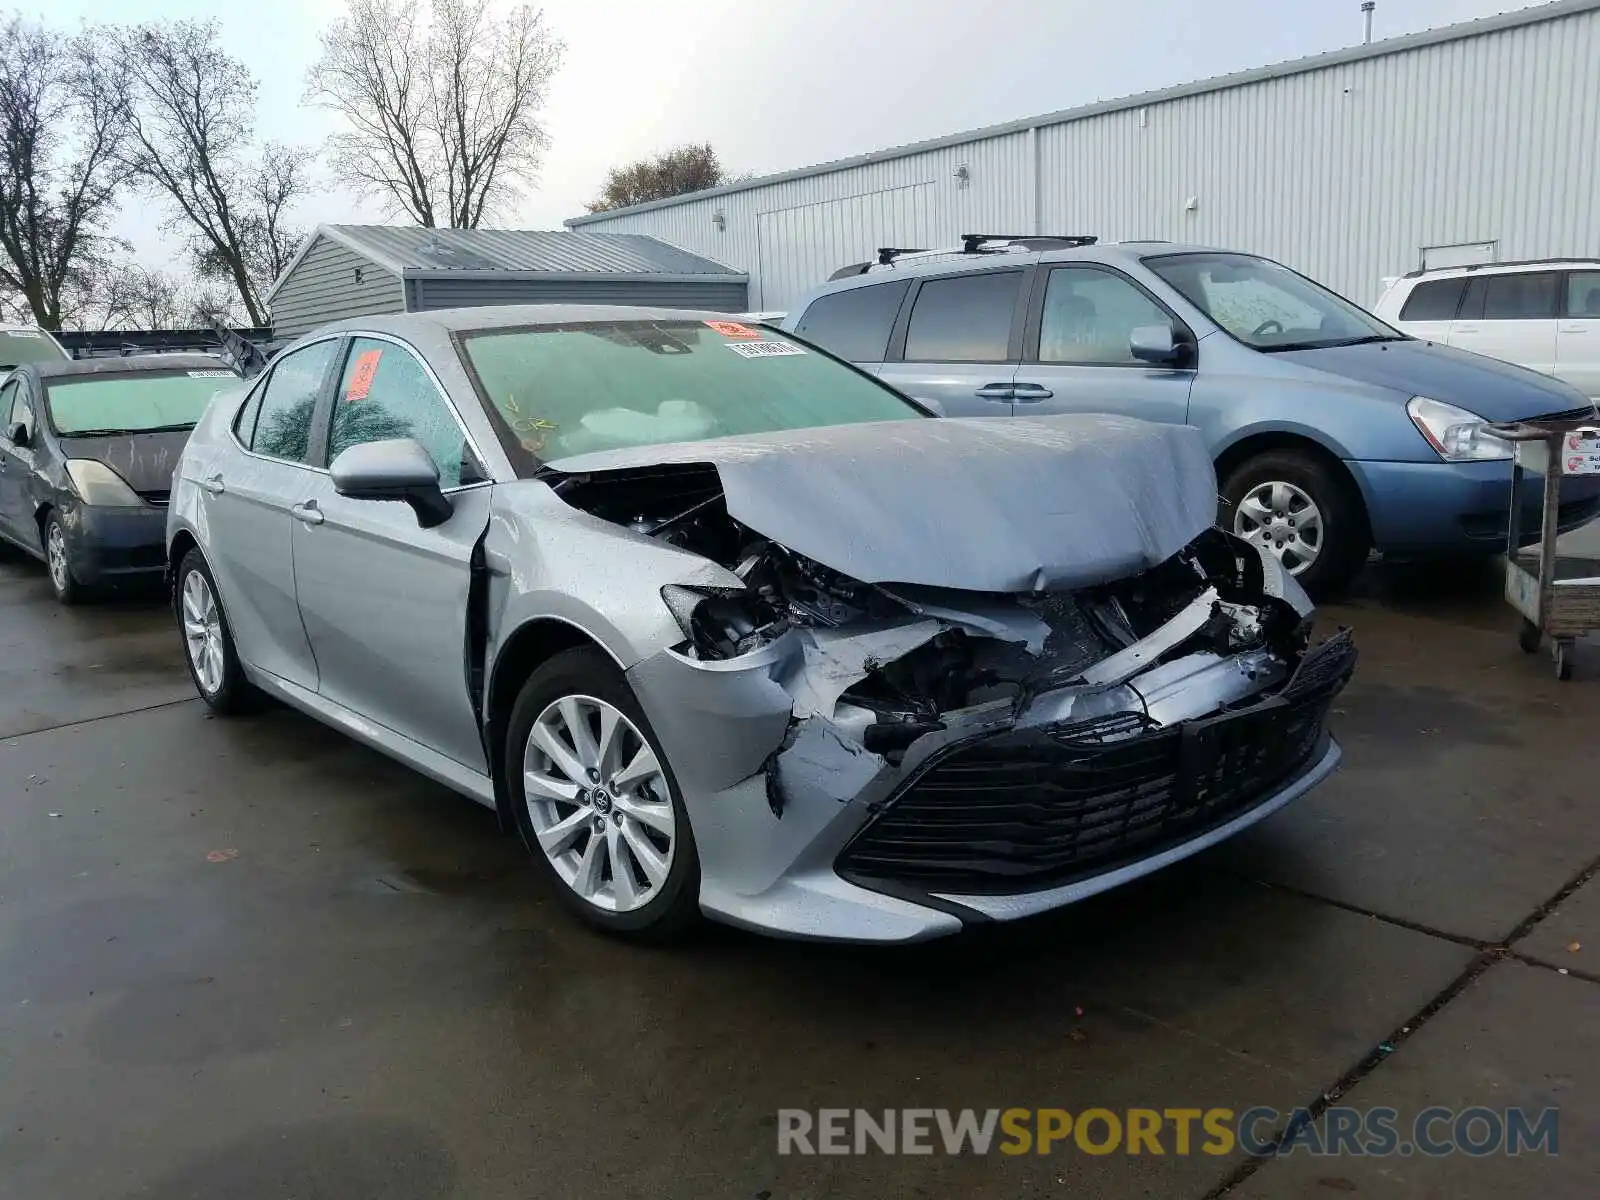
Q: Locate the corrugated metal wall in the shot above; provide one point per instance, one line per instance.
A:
(716, 295)
(1345, 172)
(324, 287)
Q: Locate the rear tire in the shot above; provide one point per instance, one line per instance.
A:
(1280, 499)
(208, 641)
(616, 850)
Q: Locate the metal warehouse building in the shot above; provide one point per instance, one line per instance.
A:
(361, 270)
(1474, 142)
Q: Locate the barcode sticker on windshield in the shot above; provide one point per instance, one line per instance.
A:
(763, 349)
(210, 374)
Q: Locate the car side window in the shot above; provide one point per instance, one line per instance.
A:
(1434, 300)
(386, 393)
(289, 401)
(1519, 296)
(1089, 317)
(1583, 295)
(963, 318)
(14, 403)
(854, 324)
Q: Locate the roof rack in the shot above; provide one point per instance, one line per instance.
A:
(974, 243)
(971, 243)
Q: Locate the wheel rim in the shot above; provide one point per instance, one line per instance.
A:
(202, 632)
(55, 553)
(1284, 519)
(599, 803)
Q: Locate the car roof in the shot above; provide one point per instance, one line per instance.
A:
(512, 316)
(132, 364)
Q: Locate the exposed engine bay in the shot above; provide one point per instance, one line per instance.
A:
(911, 655)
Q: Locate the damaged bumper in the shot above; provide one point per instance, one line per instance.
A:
(999, 810)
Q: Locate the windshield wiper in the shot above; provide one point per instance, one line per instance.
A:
(182, 428)
(1279, 347)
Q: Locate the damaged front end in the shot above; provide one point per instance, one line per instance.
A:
(887, 761)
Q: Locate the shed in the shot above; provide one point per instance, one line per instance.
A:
(344, 271)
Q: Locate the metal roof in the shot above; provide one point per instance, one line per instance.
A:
(1299, 66)
(413, 250)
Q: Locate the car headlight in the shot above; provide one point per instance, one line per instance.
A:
(98, 484)
(1458, 435)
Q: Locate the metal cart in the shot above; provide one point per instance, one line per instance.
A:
(1558, 598)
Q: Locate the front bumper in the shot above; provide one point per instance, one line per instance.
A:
(802, 832)
(1453, 508)
(108, 545)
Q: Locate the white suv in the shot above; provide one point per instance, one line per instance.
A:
(1544, 315)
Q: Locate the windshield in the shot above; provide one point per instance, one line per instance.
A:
(1266, 305)
(130, 403)
(18, 346)
(561, 390)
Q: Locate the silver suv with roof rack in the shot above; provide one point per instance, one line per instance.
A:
(1332, 432)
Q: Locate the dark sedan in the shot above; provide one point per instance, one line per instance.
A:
(87, 450)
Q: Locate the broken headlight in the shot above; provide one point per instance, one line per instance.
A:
(722, 622)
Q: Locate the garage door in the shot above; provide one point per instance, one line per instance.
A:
(798, 248)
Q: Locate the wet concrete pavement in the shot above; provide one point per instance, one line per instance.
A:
(247, 958)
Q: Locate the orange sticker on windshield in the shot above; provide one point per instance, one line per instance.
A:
(733, 329)
(366, 366)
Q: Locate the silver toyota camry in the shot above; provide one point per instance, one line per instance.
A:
(723, 625)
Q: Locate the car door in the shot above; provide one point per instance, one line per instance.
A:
(1510, 316)
(383, 600)
(247, 492)
(1076, 356)
(855, 323)
(1578, 333)
(15, 463)
(959, 341)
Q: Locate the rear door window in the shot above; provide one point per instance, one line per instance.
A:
(964, 318)
(855, 323)
(289, 401)
(1521, 296)
(1434, 300)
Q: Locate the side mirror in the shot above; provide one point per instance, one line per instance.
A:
(1154, 344)
(18, 434)
(396, 469)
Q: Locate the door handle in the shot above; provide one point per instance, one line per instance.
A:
(1465, 329)
(1572, 329)
(1030, 391)
(994, 391)
(213, 485)
(308, 513)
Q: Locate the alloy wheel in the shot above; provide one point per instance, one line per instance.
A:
(1283, 519)
(202, 632)
(55, 554)
(599, 803)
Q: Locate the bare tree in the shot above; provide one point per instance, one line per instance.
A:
(62, 110)
(192, 133)
(672, 173)
(441, 105)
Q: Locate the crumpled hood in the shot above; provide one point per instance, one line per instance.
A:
(145, 460)
(994, 504)
(1495, 390)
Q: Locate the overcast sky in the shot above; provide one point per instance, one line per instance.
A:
(775, 84)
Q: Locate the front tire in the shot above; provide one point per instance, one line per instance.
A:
(596, 801)
(1299, 508)
(208, 642)
(58, 562)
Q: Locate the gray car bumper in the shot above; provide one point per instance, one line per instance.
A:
(795, 820)
(107, 545)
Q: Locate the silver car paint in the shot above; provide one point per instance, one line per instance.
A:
(772, 797)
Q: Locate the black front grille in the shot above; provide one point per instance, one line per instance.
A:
(158, 497)
(1036, 808)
